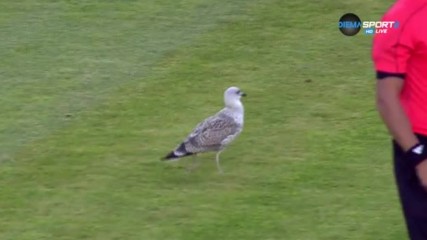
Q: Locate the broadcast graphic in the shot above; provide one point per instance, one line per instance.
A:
(350, 24)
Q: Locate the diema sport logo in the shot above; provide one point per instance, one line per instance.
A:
(350, 24)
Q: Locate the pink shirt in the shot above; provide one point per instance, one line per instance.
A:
(403, 50)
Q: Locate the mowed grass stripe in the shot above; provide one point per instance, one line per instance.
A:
(302, 168)
(44, 171)
(68, 61)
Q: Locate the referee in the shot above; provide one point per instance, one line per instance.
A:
(400, 59)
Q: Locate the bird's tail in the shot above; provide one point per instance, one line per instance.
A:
(179, 152)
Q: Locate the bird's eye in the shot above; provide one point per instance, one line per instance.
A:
(238, 92)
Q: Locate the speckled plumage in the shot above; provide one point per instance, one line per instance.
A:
(216, 132)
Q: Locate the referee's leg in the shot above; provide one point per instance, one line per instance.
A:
(413, 197)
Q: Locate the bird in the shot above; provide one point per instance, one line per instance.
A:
(216, 132)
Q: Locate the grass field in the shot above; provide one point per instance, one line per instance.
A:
(93, 93)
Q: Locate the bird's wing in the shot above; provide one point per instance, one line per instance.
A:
(210, 134)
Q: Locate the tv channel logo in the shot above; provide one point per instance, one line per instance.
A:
(350, 24)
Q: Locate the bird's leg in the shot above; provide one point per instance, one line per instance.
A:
(217, 162)
(194, 164)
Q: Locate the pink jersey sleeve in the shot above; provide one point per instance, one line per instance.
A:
(391, 51)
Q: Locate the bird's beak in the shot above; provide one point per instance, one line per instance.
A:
(243, 94)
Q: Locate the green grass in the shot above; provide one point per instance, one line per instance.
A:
(93, 93)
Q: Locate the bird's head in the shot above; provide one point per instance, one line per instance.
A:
(232, 97)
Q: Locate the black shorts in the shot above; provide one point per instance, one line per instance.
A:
(413, 196)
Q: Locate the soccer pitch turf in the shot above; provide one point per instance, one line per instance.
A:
(93, 93)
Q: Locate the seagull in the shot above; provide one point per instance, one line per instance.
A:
(216, 132)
